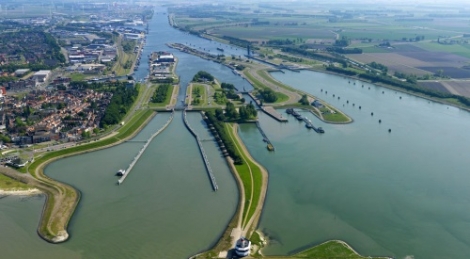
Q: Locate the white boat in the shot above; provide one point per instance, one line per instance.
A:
(121, 172)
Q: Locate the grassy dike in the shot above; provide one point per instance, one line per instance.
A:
(62, 199)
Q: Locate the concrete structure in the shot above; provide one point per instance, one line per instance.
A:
(21, 72)
(167, 57)
(132, 36)
(317, 104)
(243, 247)
(42, 75)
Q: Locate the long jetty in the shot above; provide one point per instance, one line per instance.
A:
(265, 138)
(147, 143)
(203, 153)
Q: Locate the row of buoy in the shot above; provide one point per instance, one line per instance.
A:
(360, 107)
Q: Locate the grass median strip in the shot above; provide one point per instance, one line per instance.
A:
(251, 176)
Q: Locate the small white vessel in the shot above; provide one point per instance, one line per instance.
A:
(121, 172)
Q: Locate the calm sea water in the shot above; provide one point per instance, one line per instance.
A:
(397, 194)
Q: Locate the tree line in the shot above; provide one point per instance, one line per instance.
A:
(224, 136)
(122, 100)
(160, 95)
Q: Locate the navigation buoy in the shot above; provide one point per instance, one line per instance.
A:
(359, 107)
(389, 130)
(383, 92)
(362, 86)
(347, 101)
(333, 95)
(353, 104)
(380, 121)
(338, 97)
(400, 97)
(371, 114)
(369, 88)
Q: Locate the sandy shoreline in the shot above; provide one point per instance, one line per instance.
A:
(20, 192)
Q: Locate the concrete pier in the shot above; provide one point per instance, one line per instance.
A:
(269, 110)
(265, 138)
(203, 153)
(136, 158)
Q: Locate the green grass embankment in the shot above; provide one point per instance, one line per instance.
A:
(251, 177)
(258, 85)
(335, 117)
(7, 183)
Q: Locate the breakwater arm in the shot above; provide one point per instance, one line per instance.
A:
(147, 143)
(203, 153)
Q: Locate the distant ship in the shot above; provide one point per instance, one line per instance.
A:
(243, 246)
(220, 49)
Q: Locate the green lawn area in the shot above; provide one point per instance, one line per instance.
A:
(373, 49)
(167, 98)
(201, 90)
(258, 85)
(333, 117)
(7, 183)
(77, 77)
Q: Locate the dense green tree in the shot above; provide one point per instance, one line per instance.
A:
(203, 76)
(304, 100)
(268, 95)
(230, 111)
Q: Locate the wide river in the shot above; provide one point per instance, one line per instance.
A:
(397, 194)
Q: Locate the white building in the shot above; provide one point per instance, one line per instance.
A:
(243, 246)
(41, 76)
(21, 72)
(132, 36)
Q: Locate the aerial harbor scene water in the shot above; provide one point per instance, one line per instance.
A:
(248, 130)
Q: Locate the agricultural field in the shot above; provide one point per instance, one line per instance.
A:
(271, 32)
(410, 59)
(454, 87)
